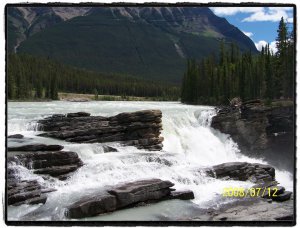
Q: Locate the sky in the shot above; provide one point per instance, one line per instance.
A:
(258, 23)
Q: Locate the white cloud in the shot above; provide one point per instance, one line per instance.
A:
(229, 11)
(249, 34)
(257, 13)
(270, 14)
(263, 43)
(273, 46)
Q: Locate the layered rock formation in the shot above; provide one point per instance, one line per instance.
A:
(140, 129)
(58, 164)
(20, 191)
(244, 171)
(126, 195)
(36, 147)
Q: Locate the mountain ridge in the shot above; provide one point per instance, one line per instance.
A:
(175, 34)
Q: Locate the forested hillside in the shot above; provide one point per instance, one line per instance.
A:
(145, 42)
(216, 80)
(31, 77)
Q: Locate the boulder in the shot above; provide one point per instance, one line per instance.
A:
(243, 171)
(140, 129)
(16, 136)
(108, 149)
(140, 191)
(283, 196)
(129, 194)
(182, 195)
(91, 206)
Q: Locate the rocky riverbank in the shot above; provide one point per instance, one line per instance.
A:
(140, 129)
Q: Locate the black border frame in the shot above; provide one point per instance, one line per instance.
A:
(154, 223)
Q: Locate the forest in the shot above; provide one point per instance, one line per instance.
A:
(31, 77)
(218, 79)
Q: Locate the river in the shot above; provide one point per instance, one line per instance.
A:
(189, 144)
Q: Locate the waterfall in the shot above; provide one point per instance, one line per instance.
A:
(190, 144)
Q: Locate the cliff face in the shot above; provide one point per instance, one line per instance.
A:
(259, 130)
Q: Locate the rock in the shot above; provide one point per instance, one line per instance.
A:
(78, 114)
(108, 149)
(59, 164)
(53, 163)
(36, 147)
(92, 206)
(130, 194)
(252, 210)
(243, 171)
(16, 136)
(283, 197)
(236, 102)
(258, 128)
(289, 217)
(20, 191)
(272, 191)
(182, 195)
(140, 191)
(140, 129)
(35, 200)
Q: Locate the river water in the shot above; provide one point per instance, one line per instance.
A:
(189, 145)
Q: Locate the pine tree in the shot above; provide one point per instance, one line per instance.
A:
(281, 58)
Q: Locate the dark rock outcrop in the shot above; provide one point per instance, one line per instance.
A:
(126, 195)
(57, 164)
(36, 147)
(260, 130)
(140, 129)
(253, 125)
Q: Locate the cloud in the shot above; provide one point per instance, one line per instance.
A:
(257, 13)
(229, 11)
(270, 14)
(249, 34)
(263, 43)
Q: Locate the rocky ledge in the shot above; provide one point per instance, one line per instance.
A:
(20, 191)
(126, 195)
(262, 175)
(140, 129)
(57, 164)
(36, 147)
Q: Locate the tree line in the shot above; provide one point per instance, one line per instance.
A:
(267, 75)
(30, 77)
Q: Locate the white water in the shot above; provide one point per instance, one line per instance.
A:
(189, 145)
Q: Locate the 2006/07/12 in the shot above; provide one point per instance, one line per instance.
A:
(251, 192)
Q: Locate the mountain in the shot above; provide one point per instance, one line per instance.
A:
(148, 42)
